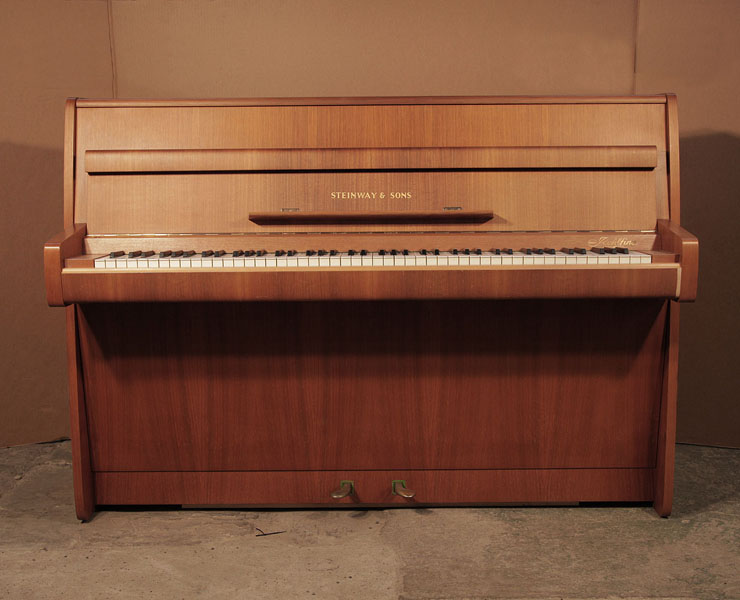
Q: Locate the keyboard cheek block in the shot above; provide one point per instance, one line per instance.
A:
(433, 306)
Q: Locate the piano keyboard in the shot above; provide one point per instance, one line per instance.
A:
(248, 259)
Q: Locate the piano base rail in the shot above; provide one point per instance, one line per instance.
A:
(661, 280)
(373, 488)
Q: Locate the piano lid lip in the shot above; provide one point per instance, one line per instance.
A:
(365, 101)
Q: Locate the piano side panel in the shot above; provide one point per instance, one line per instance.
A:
(520, 200)
(411, 126)
(379, 385)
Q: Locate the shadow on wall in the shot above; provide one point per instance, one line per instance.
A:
(708, 410)
(33, 380)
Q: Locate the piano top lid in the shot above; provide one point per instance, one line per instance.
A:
(368, 101)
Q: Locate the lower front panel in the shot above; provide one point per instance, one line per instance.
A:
(374, 488)
(366, 386)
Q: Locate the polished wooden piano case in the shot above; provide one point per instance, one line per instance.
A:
(330, 382)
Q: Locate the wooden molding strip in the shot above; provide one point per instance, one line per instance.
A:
(99, 162)
(369, 100)
(371, 218)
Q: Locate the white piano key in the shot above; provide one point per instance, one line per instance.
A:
(433, 260)
(186, 263)
(539, 259)
(613, 259)
(228, 262)
(335, 261)
(345, 260)
(356, 260)
(271, 261)
(624, 259)
(453, 260)
(260, 262)
(291, 262)
(196, 263)
(388, 260)
(369, 260)
(420, 260)
(217, 263)
(377, 260)
(443, 259)
(323, 261)
(313, 261)
(281, 262)
(475, 259)
(100, 263)
(527, 259)
(152, 263)
(173, 263)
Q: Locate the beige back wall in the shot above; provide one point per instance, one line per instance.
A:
(229, 48)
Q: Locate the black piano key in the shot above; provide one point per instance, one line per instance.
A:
(596, 250)
(218, 253)
(279, 252)
(333, 252)
(538, 250)
(260, 253)
(622, 250)
(567, 250)
(291, 252)
(478, 251)
(466, 251)
(580, 250)
(381, 252)
(423, 252)
(165, 253)
(363, 252)
(394, 252)
(310, 252)
(405, 252)
(206, 253)
(147, 254)
(351, 252)
(436, 251)
(116, 254)
(236, 253)
(455, 251)
(610, 250)
(507, 251)
(549, 250)
(188, 253)
(321, 252)
(526, 250)
(134, 254)
(177, 254)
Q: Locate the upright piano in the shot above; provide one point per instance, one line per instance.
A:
(372, 301)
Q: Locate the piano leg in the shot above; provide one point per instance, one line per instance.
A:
(82, 471)
(667, 428)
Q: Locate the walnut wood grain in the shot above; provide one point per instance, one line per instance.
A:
(373, 385)
(665, 467)
(70, 115)
(63, 245)
(676, 239)
(278, 127)
(312, 488)
(84, 486)
(372, 283)
(354, 159)
(674, 171)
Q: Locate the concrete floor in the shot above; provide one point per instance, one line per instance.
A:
(473, 553)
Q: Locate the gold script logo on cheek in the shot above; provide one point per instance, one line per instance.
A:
(607, 241)
(368, 195)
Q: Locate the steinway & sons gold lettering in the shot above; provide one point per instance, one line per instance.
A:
(369, 195)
